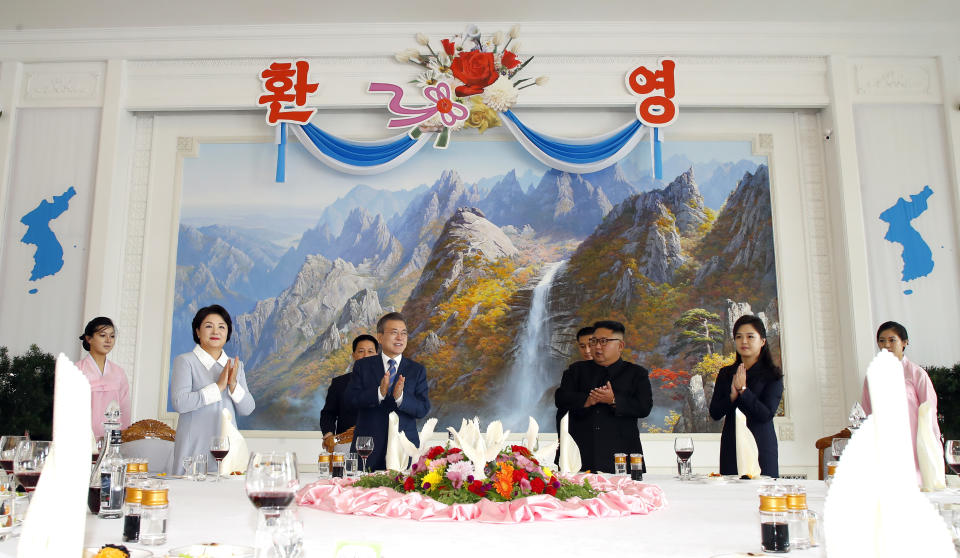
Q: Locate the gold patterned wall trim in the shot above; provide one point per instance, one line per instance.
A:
(148, 428)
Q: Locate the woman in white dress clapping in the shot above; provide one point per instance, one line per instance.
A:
(205, 381)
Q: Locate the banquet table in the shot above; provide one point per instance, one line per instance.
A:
(700, 520)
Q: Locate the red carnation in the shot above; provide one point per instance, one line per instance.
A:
(452, 451)
(449, 47)
(409, 484)
(476, 70)
(476, 487)
(522, 450)
(537, 485)
(519, 474)
(434, 452)
(550, 490)
(509, 60)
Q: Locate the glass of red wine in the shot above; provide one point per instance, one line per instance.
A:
(272, 481)
(684, 448)
(8, 446)
(219, 448)
(364, 449)
(28, 463)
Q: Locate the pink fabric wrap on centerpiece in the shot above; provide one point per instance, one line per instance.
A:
(620, 496)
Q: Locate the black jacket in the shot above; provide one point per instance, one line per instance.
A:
(337, 415)
(759, 402)
(602, 430)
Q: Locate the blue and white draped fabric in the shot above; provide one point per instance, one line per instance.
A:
(574, 155)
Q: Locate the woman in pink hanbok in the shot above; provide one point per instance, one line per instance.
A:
(108, 382)
(893, 337)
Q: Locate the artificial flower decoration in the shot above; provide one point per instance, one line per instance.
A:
(486, 69)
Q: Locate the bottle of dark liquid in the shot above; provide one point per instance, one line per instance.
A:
(110, 470)
(636, 466)
(131, 511)
(774, 528)
(337, 465)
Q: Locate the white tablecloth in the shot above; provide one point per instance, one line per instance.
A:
(700, 520)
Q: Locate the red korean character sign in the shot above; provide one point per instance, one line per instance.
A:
(656, 87)
(286, 83)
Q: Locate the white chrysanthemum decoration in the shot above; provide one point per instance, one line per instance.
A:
(501, 95)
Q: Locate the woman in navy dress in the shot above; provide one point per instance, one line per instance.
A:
(753, 384)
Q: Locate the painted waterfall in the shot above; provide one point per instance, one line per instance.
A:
(495, 260)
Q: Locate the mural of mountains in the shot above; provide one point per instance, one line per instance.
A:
(463, 261)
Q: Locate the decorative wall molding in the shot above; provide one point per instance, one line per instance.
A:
(825, 323)
(72, 85)
(785, 432)
(896, 80)
(128, 323)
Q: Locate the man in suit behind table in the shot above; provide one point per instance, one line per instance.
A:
(605, 397)
(337, 415)
(388, 383)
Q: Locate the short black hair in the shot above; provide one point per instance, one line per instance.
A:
(389, 317)
(585, 331)
(93, 326)
(613, 326)
(206, 311)
(897, 328)
(365, 337)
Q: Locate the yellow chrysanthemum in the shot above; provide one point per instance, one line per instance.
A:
(434, 478)
(482, 116)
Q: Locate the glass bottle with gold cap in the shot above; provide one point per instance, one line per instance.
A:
(774, 528)
(154, 513)
(798, 521)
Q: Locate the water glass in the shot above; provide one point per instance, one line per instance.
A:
(288, 535)
(200, 468)
(620, 463)
(188, 467)
(350, 465)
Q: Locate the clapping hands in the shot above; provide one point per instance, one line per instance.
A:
(228, 376)
(602, 394)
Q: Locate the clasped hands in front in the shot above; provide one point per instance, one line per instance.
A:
(385, 386)
(739, 382)
(228, 376)
(602, 394)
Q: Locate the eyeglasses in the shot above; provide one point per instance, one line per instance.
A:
(396, 333)
(602, 341)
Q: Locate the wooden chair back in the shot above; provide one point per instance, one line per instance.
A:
(824, 444)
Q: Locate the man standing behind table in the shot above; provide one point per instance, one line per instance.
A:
(337, 415)
(583, 346)
(388, 383)
(605, 397)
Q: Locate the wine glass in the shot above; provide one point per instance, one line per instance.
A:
(219, 447)
(8, 446)
(95, 454)
(364, 449)
(684, 448)
(28, 463)
(952, 453)
(272, 481)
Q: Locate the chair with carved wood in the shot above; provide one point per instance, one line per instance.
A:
(150, 439)
(823, 450)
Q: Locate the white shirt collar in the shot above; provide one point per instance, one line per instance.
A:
(396, 359)
(207, 361)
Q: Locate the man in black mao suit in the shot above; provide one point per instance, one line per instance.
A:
(605, 398)
(337, 415)
(388, 383)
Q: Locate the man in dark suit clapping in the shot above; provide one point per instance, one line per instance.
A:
(388, 383)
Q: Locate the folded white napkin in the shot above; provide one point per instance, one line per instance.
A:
(530, 438)
(412, 451)
(748, 456)
(879, 511)
(546, 453)
(473, 444)
(238, 456)
(396, 456)
(929, 450)
(569, 452)
(60, 497)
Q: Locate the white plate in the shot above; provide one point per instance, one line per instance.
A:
(90, 552)
(211, 550)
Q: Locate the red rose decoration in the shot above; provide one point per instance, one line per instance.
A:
(509, 60)
(550, 490)
(409, 484)
(537, 485)
(448, 46)
(454, 450)
(522, 450)
(476, 70)
(434, 452)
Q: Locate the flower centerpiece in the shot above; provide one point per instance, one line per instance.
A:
(447, 476)
(483, 71)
